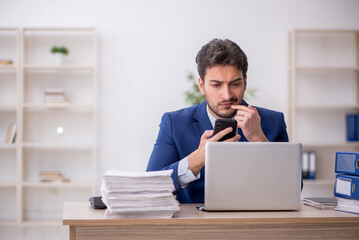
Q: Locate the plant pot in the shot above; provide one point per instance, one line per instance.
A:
(58, 58)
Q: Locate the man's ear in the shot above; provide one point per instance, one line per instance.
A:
(201, 85)
(245, 83)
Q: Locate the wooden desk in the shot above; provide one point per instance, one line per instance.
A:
(189, 223)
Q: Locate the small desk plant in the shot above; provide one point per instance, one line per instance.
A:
(59, 53)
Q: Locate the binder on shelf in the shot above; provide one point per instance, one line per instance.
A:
(351, 120)
(305, 165)
(352, 125)
(312, 165)
(347, 162)
(347, 186)
(309, 165)
(356, 127)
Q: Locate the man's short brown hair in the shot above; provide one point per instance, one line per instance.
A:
(221, 52)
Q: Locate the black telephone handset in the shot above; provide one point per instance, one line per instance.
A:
(97, 203)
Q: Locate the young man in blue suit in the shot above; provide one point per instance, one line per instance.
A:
(183, 134)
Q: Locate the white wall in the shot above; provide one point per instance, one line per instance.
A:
(147, 47)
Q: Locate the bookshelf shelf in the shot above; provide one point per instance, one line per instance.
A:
(30, 223)
(49, 137)
(61, 146)
(42, 223)
(59, 29)
(57, 184)
(5, 69)
(8, 223)
(54, 106)
(59, 68)
(323, 71)
(7, 147)
(7, 108)
(331, 145)
(4, 184)
(325, 107)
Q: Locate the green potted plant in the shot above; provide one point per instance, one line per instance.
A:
(59, 53)
(193, 95)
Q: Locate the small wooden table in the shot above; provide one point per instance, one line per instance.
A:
(189, 223)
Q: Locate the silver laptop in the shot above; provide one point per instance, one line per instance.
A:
(252, 176)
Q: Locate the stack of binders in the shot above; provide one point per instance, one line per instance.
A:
(347, 181)
(139, 194)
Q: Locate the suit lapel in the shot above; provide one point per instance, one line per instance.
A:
(201, 122)
(244, 103)
(240, 132)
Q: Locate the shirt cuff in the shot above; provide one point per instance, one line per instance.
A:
(185, 175)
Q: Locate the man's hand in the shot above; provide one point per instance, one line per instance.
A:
(250, 122)
(196, 158)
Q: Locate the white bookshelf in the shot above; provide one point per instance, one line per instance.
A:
(39, 146)
(323, 88)
(9, 100)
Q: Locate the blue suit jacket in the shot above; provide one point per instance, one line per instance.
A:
(180, 134)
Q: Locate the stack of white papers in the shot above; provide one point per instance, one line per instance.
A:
(347, 205)
(139, 194)
(321, 202)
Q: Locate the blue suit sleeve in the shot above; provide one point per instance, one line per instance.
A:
(165, 155)
(283, 135)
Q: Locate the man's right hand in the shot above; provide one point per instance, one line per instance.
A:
(196, 158)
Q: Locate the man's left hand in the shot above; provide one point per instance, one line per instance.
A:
(250, 122)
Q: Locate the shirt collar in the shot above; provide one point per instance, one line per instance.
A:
(212, 119)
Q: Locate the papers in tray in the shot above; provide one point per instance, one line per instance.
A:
(139, 194)
(348, 205)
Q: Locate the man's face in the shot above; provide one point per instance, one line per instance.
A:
(223, 86)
